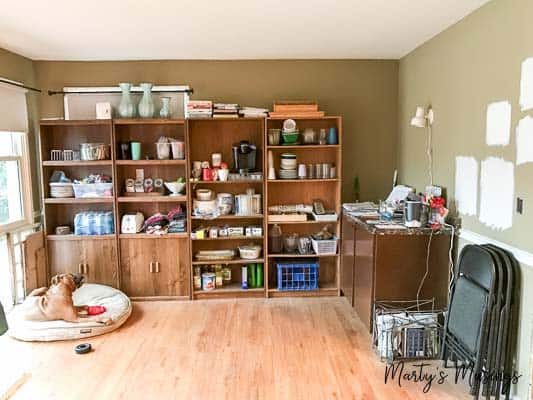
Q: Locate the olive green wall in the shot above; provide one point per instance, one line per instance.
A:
(363, 92)
(460, 71)
(20, 69)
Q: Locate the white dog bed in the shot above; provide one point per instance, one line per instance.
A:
(117, 304)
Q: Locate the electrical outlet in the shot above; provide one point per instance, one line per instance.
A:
(519, 205)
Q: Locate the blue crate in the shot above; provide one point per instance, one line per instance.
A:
(296, 275)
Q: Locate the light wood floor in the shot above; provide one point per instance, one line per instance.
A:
(297, 348)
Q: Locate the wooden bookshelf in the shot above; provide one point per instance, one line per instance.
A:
(202, 144)
(304, 191)
(130, 261)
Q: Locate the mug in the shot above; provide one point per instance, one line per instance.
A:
(223, 174)
(332, 136)
(135, 150)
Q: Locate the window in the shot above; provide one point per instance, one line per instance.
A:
(16, 214)
(15, 184)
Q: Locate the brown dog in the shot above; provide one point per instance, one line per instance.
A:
(55, 302)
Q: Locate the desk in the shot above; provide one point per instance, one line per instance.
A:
(385, 264)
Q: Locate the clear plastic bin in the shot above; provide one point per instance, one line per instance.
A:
(88, 190)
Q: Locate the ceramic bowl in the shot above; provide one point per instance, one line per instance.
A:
(175, 187)
(290, 138)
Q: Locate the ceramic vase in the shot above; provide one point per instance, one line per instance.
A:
(126, 109)
(165, 107)
(146, 105)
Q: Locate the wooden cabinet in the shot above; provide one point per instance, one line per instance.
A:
(347, 261)
(155, 267)
(390, 266)
(96, 259)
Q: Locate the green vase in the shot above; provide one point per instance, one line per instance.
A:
(146, 105)
(126, 109)
(165, 107)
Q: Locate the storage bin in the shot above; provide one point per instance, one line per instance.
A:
(325, 247)
(295, 275)
(94, 223)
(94, 151)
(87, 190)
(61, 190)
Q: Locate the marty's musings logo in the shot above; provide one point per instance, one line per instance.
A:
(429, 374)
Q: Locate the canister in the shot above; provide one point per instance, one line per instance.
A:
(208, 281)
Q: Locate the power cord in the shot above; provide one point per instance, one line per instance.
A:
(427, 271)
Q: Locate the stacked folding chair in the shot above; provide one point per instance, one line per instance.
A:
(480, 327)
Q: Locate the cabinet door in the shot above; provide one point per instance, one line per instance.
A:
(154, 267)
(95, 258)
(34, 262)
(364, 276)
(99, 258)
(347, 260)
(64, 256)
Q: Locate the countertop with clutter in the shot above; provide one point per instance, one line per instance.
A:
(402, 213)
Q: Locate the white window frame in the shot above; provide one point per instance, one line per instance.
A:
(25, 186)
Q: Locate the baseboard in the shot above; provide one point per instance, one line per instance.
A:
(524, 257)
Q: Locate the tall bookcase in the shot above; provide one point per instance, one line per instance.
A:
(161, 267)
(304, 191)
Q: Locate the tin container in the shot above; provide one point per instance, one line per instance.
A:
(208, 281)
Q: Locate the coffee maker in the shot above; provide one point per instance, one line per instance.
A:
(244, 157)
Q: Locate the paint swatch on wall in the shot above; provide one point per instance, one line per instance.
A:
(466, 183)
(497, 193)
(524, 141)
(498, 128)
(526, 85)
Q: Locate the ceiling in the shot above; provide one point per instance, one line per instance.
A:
(231, 29)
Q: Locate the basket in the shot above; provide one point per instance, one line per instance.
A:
(295, 275)
(61, 190)
(88, 190)
(94, 151)
(402, 332)
(325, 247)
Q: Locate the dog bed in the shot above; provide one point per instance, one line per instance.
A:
(117, 304)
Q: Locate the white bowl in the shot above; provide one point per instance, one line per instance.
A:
(175, 187)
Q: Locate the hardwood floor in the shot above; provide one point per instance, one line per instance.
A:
(288, 348)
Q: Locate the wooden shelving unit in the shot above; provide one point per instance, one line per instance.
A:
(304, 191)
(131, 261)
(202, 134)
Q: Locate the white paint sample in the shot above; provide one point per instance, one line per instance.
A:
(524, 141)
(497, 193)
(498, 128)
(526, 85)
(466, 183)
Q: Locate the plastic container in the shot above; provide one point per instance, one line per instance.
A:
(94, 151)
(61, 190)
(162, 150)
(89, 190)
(249, 252)
(178, 150)
(294, 276)
(324, 247)
(94, 223)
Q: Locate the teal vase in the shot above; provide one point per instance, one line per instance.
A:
(165, 107)
(146, 105)
(126, 109)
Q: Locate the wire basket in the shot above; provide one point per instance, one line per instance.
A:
(407, 330)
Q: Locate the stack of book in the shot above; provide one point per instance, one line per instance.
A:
(199, 108)
(292, 109)
(253, 112)
(223, 110)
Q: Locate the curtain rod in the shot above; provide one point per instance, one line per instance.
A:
(20, 85)
(54, 92)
